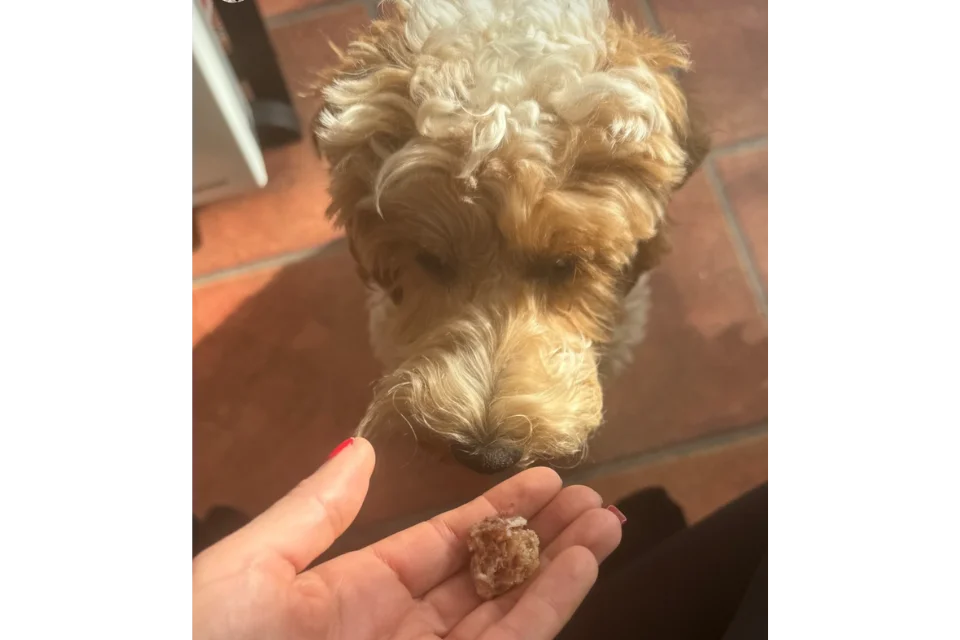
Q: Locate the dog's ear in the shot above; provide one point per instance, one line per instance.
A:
(649, 254)
(695, 140)
(696, 144)
(366, 116)
(668, 60)
(367, 113)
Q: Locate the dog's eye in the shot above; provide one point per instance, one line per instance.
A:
(556, 271)
(563, 269)
(435, 266)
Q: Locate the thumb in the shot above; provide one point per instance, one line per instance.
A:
(304, 523)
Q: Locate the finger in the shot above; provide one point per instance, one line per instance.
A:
(305, 522)
(551, 599)
(562, 511)
(456, 597)
(430, 552)
(596, 530)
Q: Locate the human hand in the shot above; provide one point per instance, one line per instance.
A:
(414, 584)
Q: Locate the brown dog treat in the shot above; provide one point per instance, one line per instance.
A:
(505, 553)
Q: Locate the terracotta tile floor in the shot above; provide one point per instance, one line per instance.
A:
(282, 367)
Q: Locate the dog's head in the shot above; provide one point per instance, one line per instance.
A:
(501, 169)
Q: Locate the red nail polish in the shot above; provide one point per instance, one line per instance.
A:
(340, 447)
(622, 518)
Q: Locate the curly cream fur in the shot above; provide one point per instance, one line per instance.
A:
(501, 168)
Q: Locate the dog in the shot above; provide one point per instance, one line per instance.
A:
(501, 169)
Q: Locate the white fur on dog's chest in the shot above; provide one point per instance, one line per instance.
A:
(631, 330)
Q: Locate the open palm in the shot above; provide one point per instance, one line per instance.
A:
(411, 585)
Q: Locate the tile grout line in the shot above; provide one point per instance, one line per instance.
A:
(697, 446)
(281, 260)
(304, 14)
(740, 245)
(649, 17)
(746, 144)
(373, 8)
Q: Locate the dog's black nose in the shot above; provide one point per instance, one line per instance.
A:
(488, 458)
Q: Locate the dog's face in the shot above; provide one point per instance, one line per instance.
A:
(501, 172)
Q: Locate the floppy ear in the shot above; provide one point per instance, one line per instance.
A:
(649, 254)
(366, 116)
(696, 144)
(695, 141)
(666, 59)
(693, 138)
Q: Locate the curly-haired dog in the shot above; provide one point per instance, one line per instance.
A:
(501, 169)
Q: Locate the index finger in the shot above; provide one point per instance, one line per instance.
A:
(305, 522)
(428, 553)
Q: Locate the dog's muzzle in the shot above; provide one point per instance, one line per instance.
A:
(498, 389)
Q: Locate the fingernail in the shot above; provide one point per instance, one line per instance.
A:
(622, 518)
(340, 447)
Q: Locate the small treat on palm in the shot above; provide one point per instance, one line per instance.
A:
(505, 554)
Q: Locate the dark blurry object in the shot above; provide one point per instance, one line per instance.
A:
(255, 63)
(218, 523)
(653, 518)
(196, 535)
(197, 240)
(704, 582)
